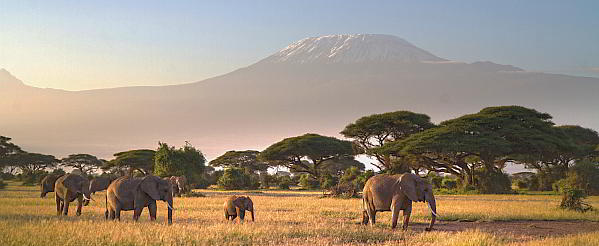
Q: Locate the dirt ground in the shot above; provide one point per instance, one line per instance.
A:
(518, 229)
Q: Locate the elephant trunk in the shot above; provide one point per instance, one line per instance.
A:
(252, 211)
(432, 205)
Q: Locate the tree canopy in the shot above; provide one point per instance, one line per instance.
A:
(8, 148)
(487, 139)
(373, 131)
(187, 161)
(247, 160)
(141, 160)
(32, 162)
(86, 163)
(314, 148)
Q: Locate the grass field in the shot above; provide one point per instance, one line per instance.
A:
(296, 218)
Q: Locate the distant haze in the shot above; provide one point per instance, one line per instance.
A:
(316, 85)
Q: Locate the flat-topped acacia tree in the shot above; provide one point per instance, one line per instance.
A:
(141, 160)
(487, 140)
(373, 131)
(246, 159)
(306, 153)
(86, 163)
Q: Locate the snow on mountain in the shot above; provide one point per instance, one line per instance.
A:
(351, 49)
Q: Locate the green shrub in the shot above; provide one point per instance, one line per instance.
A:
(236, 178)
(267, 180)
(449, 183)
(435, 180)
(573, 199)
(283, 182)
(327, 181)
(362, 178)
(492, 182)
(308, 181)
(521, 184)
(2, 184)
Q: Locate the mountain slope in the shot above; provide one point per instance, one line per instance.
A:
(254, 106)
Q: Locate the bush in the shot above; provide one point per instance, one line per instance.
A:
(583, 176)
(283, 182)
(327, 181)
(435, 180)
(572, 199)
(521, 184)
(308, 181)
(6, 176)
(236, 178)
(267, 180)
(343, 190)
(492, 182)
(449, 183)
(362, 178)
(31, 178)
(2, 184)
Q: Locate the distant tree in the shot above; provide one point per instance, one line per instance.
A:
(247, 160)
(32, 162)
(85, 163)
(236, 178)
(307, 153)
(141, 160)
(486, 140)
(338, 166)
(187, 161)
(7, 149)
(552, 164)
(373, 131)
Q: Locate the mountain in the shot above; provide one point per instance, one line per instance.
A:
(314, 85)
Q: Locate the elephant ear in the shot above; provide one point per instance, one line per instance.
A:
(407, 184)
(239, 202)
(149, 185)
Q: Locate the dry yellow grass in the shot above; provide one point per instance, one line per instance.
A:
(281, 219)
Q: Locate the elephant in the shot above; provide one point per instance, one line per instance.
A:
(47, 184)
(179, 185)
(236, 206)
(99, 184)
(69, 187)
(396, 192)
(127, 193)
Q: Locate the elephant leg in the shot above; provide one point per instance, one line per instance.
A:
(152, 208)
(242, 215)
(117, 212)
(406, 215)
(395, 207)
(364, 217)
(137, 212)
(79, 204)
(58, 205)
(111, 214)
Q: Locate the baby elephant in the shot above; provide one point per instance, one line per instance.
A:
(236, 206)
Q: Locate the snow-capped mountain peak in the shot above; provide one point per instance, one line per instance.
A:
(351, 49)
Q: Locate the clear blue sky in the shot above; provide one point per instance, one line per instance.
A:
(95, 44)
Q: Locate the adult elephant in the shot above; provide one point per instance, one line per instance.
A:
(235, 206)
(396, 192)
(69, 187)
(179, 185)
(47, 184)
(99, 184)
(127, 193)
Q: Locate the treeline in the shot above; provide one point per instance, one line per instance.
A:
(473, 149)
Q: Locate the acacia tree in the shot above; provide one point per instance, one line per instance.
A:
(306, 153)
(247, 160)
(579, 144)
(485, 141)
(32, 162)
(187, 161)
(141, 160)
(6, 150)
(374, 131)
(86, 163)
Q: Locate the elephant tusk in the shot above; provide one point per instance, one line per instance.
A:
(169, 206)
(85, 197)
(431, 209)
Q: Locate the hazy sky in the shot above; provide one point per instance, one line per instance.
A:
(78, 45)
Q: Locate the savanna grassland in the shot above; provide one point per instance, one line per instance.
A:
(298, 218)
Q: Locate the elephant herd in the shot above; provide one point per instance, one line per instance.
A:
(381, 193)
